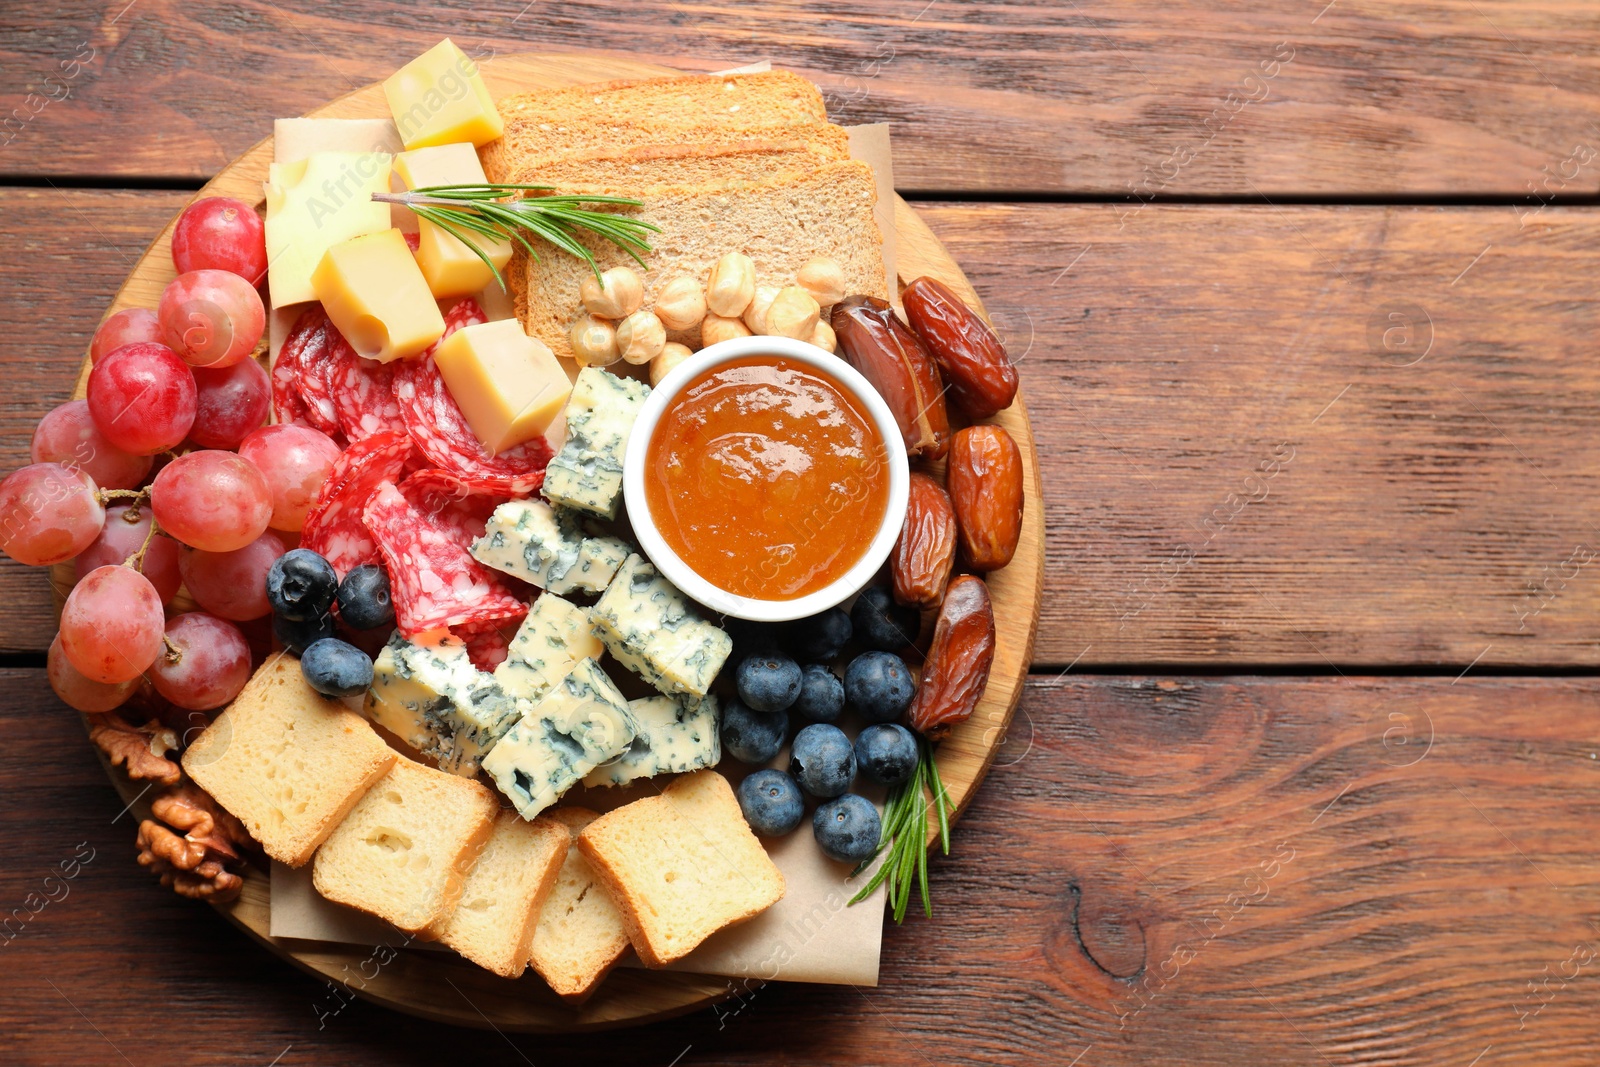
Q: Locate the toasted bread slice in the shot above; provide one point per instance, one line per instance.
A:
(579, 936)
(286, 761)
(779, 223)
(681, 866)
(492, 925)
(402, 853)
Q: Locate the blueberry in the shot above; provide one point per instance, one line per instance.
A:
(752, 736)
(847, 829)
(878, 686)
(296, 635)
(821, 637)
(821, 694)
(769, 682)
(301, 585)
(335, 668)
(771, 803)
(882, 624)
(886, 753)
(822, 760)
(364, 602)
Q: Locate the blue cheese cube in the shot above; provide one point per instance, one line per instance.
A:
(436, 701)
(675, 735)
(583, 722)
(530, 540)
(649, 627)
(587, 473)
(550, 642)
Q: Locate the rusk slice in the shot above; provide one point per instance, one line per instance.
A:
(403, 852)
(492, 925)
(681, 866)
(286, 761)
(579, 936)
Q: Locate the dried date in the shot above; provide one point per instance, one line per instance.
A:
(957, 669)
(971, 358)
(926, 551)
(886, 351)
(986, 488)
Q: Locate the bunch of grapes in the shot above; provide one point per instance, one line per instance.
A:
(165, 476)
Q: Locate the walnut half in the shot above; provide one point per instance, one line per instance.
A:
(140, 750)
(195, 863)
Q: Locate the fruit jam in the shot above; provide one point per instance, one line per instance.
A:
(767, 478)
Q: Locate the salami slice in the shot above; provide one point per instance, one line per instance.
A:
(451, 503)
(333, 527)
(434, 582)
(441, 432)
(363, 393)
(316, 381)
(487, 648)
(287, 406)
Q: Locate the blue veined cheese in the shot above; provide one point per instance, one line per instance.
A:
(580, 724)
(587, 473)
(529, 539)
(649, 627)
(436, 701)
(550, 642)
(675, 735)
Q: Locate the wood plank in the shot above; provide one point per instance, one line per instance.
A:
(1433, 97)
(1166, 365)
(1206, 871)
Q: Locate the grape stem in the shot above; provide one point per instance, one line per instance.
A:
(136, 561)
(174, 653)
(139, 496)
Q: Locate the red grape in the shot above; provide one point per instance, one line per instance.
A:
(231, 402)
(208, 665)
(79, 692)
(212, 318)
(142, 398)
(212, 500)
(295, 460)
(126, 527)
(111, 625)
(221, 233)
(232, 584)
(68, 436)
(48, 513)
(128, 326)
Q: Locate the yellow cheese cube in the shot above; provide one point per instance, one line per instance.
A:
(510, 386)
(452, 269)
(373, 290)
(439, 97)
(314, 204)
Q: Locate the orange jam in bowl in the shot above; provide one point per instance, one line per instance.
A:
(767, 477)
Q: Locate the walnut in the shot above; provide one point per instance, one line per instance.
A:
(141, 750)
(195, 864)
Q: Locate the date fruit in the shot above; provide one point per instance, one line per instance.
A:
(985, 475)
(957, 668)
(885, 350)
(974, 363)
(926, 551)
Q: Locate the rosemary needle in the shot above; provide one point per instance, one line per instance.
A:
(506, 213)
(905, 836)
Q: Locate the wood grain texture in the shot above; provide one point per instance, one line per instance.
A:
(1203, 871)
(1431, 97)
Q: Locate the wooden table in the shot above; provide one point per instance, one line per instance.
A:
(1303, 296)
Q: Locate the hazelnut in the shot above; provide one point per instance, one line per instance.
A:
(594, 342)
(616, 294)
(681, 303)
(640, 337)
(794, 313)
(823, 337)
(731, 285)
(672, 355)
(755, 316)
(717, 328)
(823, 278)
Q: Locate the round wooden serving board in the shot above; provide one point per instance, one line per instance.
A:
(441, 986)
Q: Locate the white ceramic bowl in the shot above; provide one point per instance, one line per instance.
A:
(675, 569)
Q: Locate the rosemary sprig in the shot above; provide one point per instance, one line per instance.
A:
(904, 835)
(505, 213)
